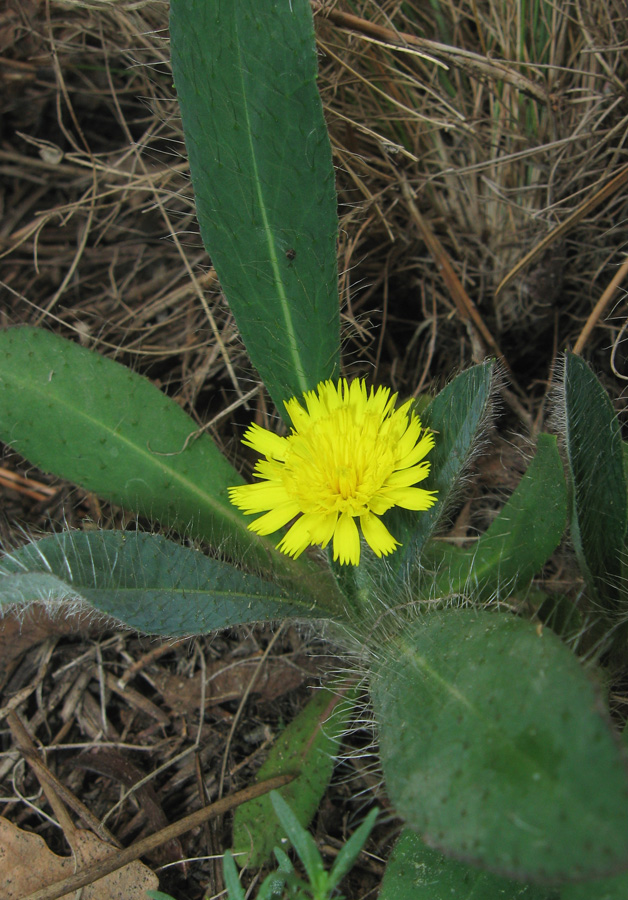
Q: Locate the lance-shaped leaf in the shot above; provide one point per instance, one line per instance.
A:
(308, 746)
(518, 542)
(260, 159)
(458, 415)
(496, 749)
(92, 421)
(415, 872)
(595, 457)
(143, 580)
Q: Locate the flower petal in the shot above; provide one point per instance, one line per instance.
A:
(406, 477)
(417, 453)
(258, 497)
(379, 504)
(377, 536)
(296, 539)
(412, 498)
(321, 527)
(347, 541)
(408, 440)
(265, 442)
(275, 519)
(350, 455)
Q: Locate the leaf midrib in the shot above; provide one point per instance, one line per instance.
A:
(270, 240)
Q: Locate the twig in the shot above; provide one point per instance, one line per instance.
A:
(117, 860)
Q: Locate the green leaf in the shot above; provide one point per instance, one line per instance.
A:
(519, 541)
(88, 419)
(300, 838)
(458, 416)
(308, 745)
(272, 886)
(232, 882)
(604, 889)
(91, 420)
(495, 748)
(260, 159)
(415, 872)
(595, 458)
(350, 851)
(144, 580)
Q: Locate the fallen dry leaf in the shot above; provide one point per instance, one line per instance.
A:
(277, 676)
(27, 864)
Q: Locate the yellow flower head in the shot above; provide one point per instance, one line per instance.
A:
(350, 456)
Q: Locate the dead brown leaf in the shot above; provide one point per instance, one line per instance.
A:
(230, 682)
(27, 864)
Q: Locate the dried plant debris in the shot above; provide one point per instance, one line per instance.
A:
(138, 732)
(467, 139)
(45, 867)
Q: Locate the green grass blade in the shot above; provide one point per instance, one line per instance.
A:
(143, 580)
(260, 159)
(595, 459)
(519, 541)
(230, 874)
(350, 851)
(300, 838)
(495, 748)
(308, 745)
(415, 872)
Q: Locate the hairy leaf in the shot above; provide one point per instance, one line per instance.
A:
(519, 541)
(143, 580)
(457, 415)
(260, 159)
(495, 748)
(415, 872)
(595, 458)
(91, 420)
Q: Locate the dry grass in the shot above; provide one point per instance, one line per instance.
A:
(465, 134)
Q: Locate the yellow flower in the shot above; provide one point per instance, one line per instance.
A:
(350, 455)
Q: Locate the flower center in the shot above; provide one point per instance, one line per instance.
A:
(338, 464)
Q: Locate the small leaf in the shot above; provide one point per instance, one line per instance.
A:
(299, 837)
(596, 465)
(457, 415)
(350, 851)
(519, 541)
(232, 882)
(414, 872)
(272, 886)
(260, 158)
(308, 745)
(488, 728)
(143, 580)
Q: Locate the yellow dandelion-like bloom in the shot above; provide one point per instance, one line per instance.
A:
(350, 456)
